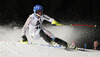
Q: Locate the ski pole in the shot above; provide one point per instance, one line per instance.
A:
(83, 25)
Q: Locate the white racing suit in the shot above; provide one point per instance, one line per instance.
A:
(35, 26)
(36, 30)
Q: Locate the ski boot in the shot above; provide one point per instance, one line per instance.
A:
(73, 47)
(70, 46)
(64, 44)
(53, 43)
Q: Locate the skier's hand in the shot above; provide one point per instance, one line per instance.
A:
(55, 23)
(24, 38)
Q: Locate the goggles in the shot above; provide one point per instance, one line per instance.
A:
(39, 11)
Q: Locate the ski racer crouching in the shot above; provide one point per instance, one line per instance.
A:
(34, 22)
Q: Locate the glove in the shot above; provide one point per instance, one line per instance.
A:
(55, 23)
(24, 38)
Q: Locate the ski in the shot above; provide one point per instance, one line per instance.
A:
(68, 49)
(78, 49)
(59, 46)
(47, 45)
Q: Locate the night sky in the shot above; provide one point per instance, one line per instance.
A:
(64, 11)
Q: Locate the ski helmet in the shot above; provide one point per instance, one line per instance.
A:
(37, 7)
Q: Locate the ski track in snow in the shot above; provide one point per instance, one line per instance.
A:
(15, 49)
(10, 47)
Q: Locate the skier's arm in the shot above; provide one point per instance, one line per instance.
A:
(26, 25)
(53, 22)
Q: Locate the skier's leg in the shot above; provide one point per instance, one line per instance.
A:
(45, 36)
(61, 42)
(49, 37)
(64, 43)
(35, 35)
(49, 34)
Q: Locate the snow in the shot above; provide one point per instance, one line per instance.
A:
(15, 49)
(10, 47)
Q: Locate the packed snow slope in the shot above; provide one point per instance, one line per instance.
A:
(10, 47)
(15, 49)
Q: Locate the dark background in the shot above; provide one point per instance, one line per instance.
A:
(65, 11)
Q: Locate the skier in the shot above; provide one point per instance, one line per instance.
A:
(34, 22)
